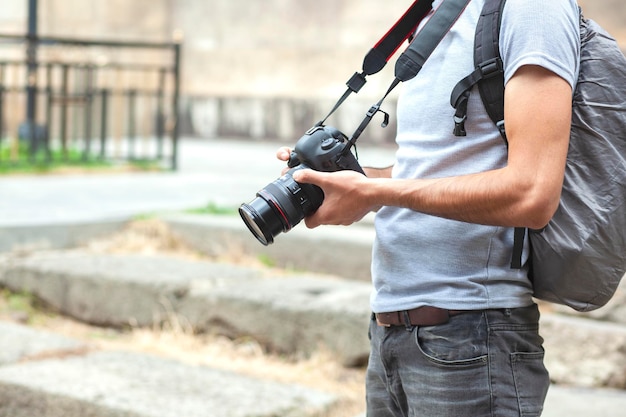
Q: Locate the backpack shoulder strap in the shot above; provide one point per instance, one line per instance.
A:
(488, 74)
(487, 58)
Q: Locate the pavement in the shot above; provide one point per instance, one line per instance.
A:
(223, 172)
(43, 374)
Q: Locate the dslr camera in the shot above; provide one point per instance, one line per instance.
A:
(283, 203)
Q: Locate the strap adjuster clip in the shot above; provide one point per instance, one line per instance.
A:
(501, 129)
(491, 68)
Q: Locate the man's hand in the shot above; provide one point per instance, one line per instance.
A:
(345, 196)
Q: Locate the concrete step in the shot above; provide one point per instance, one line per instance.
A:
(585, 352)
(18, 343)
(290, 313)
(48, 375)
(341, 251)
(567, 401)
(55, 236)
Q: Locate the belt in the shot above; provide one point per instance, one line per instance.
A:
(421, 316)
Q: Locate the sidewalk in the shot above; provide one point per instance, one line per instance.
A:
(223, 172)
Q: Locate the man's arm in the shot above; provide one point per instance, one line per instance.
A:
(525, 193)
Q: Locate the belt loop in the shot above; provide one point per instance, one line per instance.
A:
(407, 321)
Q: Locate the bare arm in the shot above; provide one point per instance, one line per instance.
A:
(525, 193)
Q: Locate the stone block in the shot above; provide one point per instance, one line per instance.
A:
(584, 352)
(120, 384)
(18, 342)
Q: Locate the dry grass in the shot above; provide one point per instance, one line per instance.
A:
(153, 237)
(148, 237)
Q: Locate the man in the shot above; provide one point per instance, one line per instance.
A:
(456, 331)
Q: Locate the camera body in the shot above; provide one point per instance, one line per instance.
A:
(283, 203)
(322, 148)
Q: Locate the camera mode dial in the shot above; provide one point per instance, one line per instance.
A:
(328, 144)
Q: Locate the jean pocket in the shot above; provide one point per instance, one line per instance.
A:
(531, 382)
(451, 345)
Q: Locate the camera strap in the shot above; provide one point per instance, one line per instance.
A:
(410, 63)
(383, 50)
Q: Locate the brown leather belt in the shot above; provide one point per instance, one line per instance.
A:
(421, 316)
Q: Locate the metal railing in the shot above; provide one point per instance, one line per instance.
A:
(108, 100)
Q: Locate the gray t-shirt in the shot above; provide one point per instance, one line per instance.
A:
(425, 260)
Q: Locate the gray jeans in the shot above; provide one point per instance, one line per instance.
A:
(483, 363)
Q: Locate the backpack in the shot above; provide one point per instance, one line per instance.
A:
(579, 258)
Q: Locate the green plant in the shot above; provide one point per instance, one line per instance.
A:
(214, 209)
(20, 160)
(22, 303)
(19, 301)
(266, 260)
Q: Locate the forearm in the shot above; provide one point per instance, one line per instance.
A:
(499, 197)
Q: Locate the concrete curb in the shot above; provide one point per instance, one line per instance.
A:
(107, 384)
(603, 345)
(55, 236)
(341, 251)
(291, 314)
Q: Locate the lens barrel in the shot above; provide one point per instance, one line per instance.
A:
(280, 206)
(261, 220)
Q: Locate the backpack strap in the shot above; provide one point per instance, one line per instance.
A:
(488, 76)
(518, 247)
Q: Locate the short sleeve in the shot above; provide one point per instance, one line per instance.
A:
(543, 33)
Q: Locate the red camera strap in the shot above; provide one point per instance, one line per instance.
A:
(381, 53)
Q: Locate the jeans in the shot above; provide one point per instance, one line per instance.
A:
(483, 363)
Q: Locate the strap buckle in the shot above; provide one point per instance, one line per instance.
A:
(491, 68)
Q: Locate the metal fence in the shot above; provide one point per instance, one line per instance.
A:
(92, 100)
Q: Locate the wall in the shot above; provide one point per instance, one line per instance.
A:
(292, 57)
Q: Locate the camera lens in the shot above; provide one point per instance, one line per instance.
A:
(254, 215)
(280, 206)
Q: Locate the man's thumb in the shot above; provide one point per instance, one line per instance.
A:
(304, 176)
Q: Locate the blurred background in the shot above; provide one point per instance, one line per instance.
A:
(101, 70)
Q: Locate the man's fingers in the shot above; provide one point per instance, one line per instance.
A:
(283, 153)
(307, 176)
